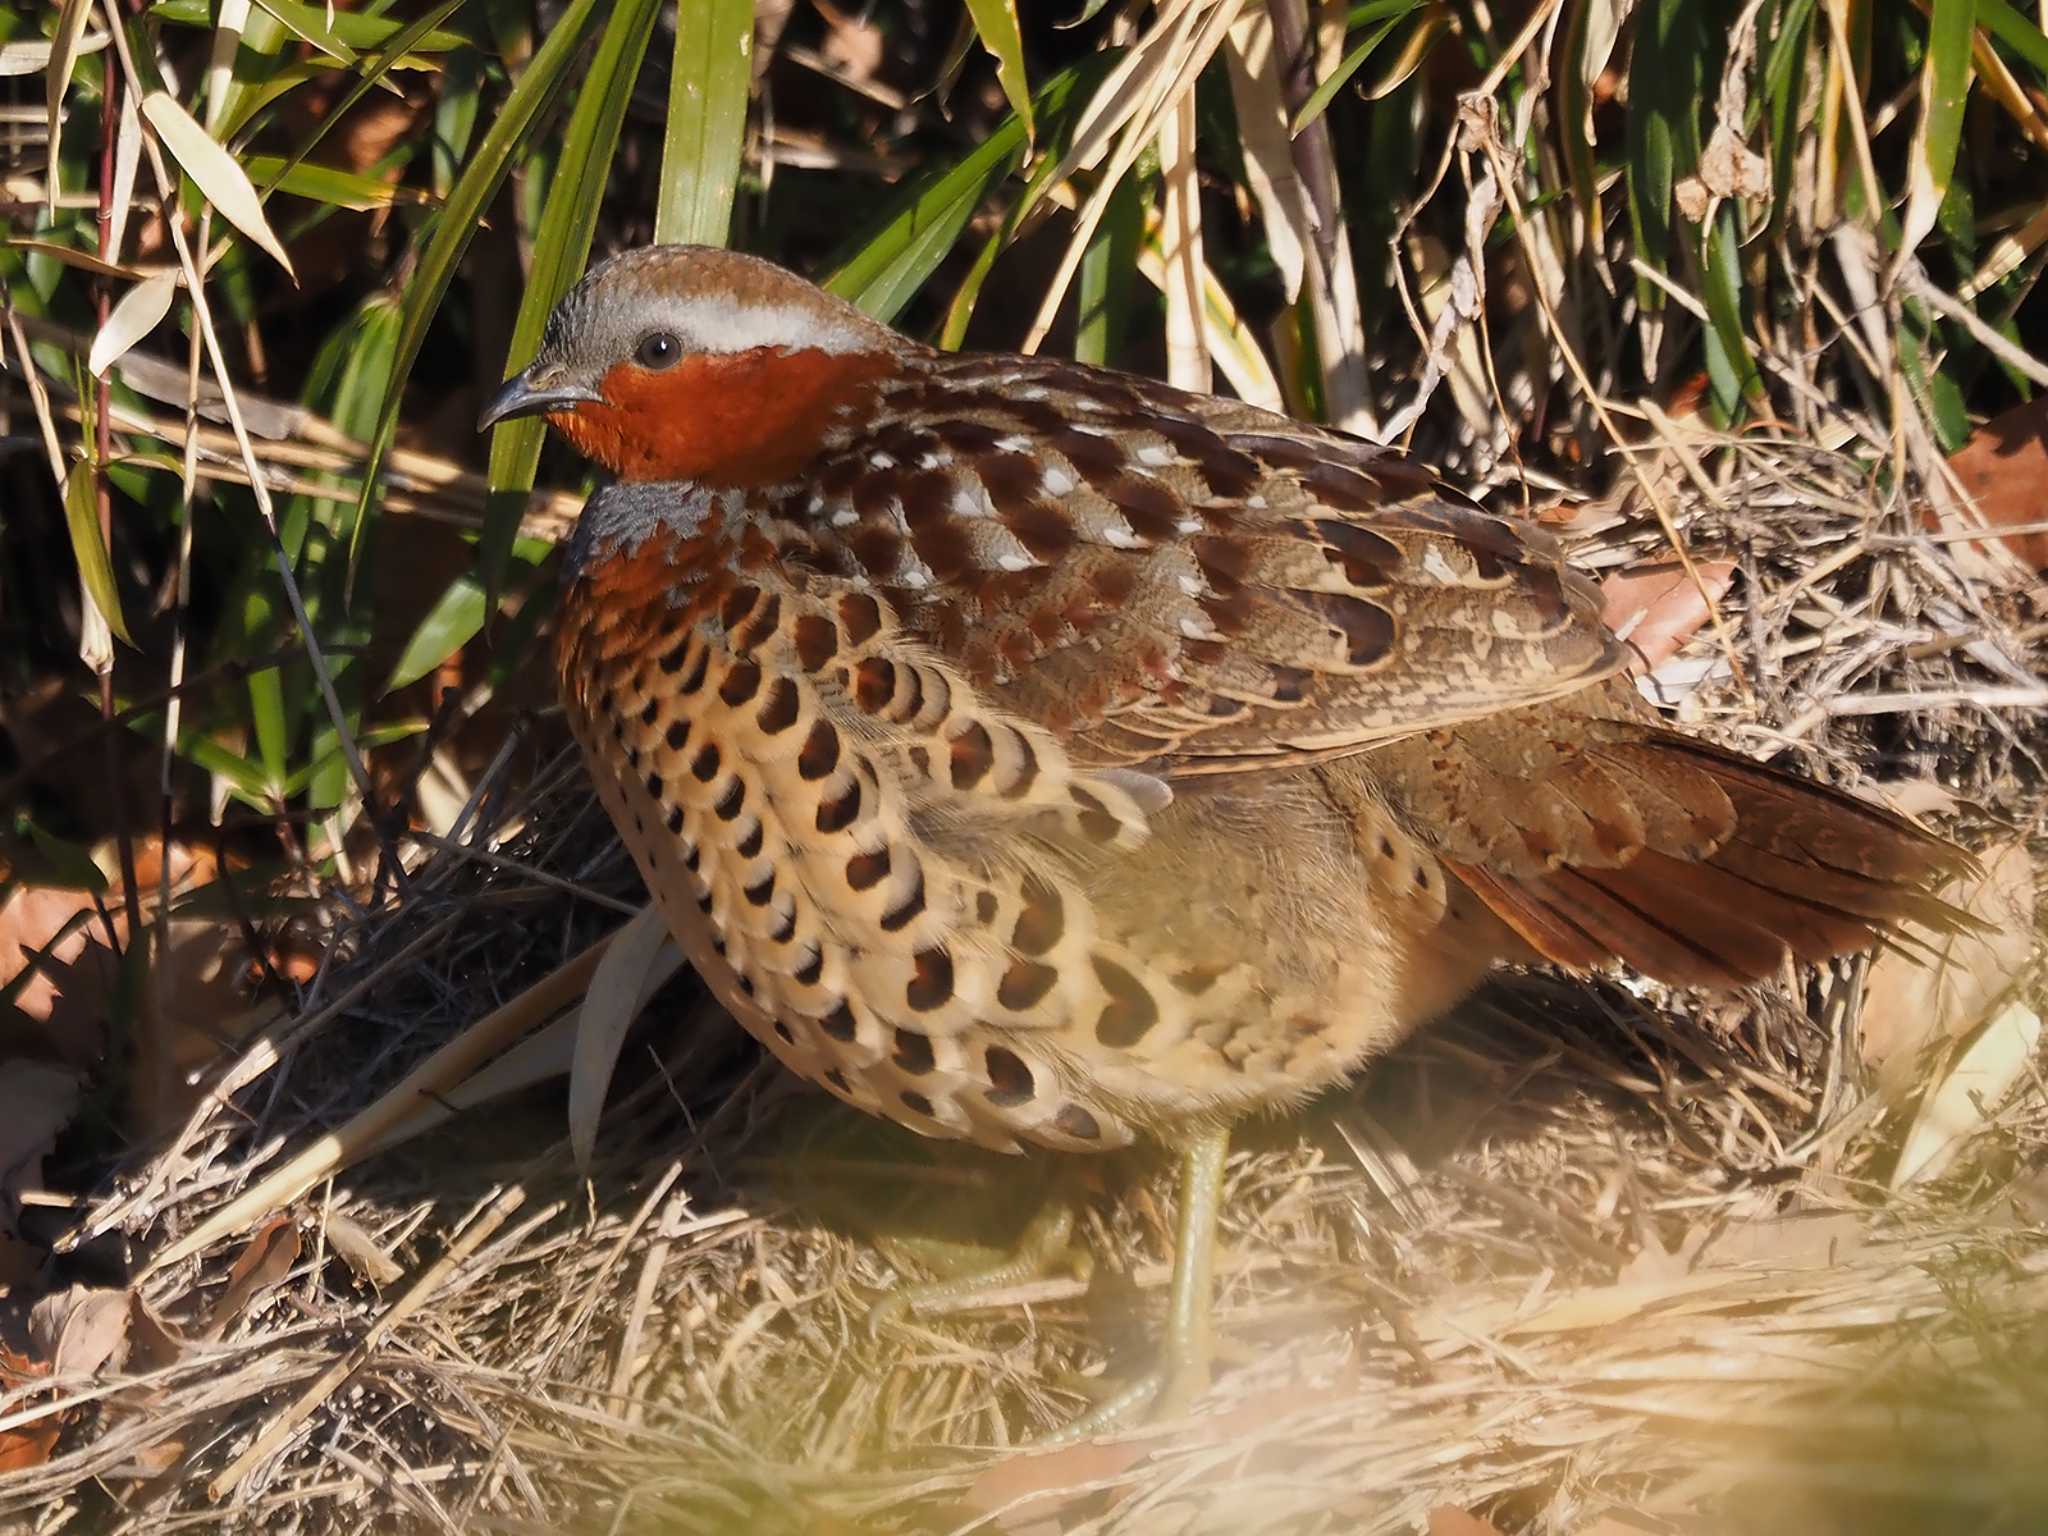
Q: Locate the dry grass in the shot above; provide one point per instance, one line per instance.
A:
(1586, 1250)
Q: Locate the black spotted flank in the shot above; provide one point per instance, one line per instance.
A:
(820, 754)
(914, 1052)
(728, 804)
(782, 1032)
(1042, 921)
(839, 1023)
(704, 766)
(693, 679)
(739, 602)
(864, 871)
(931, 984)
(750, 842)
(901, 917)
(1025, 984)
(1009, 1079)
(741, 683)
(972, 754)
(678, 733)
(839, 812)
(816, 640)
(1077, 1123)
(860, 616)
(779, 710)
(1130, 1012)
(813, 966)
(917, 1103)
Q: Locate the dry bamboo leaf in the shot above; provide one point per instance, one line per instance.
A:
(1910, 1003)
(213, 170)
(1964, 1102)
(1268, 150)
(640, 959)
(138, 313)
(1187, 356)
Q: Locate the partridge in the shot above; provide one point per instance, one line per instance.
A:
(1035, 754)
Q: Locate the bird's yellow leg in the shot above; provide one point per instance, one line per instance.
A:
(1181, 1373)
(1045, 1247)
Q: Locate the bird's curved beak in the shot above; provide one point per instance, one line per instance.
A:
(520, 396)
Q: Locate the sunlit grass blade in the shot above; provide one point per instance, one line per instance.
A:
(2026, 38)
(213, 170)
(353, 29)
(1060, 116)
(996, 23)
(395, 49)
(1388, 14)
(1731, 371)
(1103, 284)
(561, 249)
(539, 85)
(884, 267)
(95, 568)
(707, 122)
(1944, 92)
(71, 18)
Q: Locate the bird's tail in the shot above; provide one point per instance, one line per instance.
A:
(1807, 873)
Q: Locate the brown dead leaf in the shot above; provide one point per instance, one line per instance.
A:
(26, 1445)
(153, 1342)
(361, 1252)
(2004, 466)
(263, 1262)
(1911, 1002)
(1656, 607)
(80, 1331)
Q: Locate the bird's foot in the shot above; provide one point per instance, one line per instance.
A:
(1044, 1248)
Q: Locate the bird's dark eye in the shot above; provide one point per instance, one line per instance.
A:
(657, 349)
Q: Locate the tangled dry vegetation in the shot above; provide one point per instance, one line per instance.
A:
(1587, 1258)
(1591, 1259)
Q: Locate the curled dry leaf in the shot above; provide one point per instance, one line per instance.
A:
(81, 1331)
(1941, 988)
(1964, 1102)
(361, 1252)
(263, 1262)
(1657, 608)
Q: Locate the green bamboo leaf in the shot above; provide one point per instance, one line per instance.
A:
(2023, 37)
(881, 269)
(996, 22)
(708, 86)
(1108, 269)
(525, 108)
(95, 569)
(394, 52)
(1388, 13)
(1730, 369)
(1784, 89)
(312, 30)
(455, 618)
(327, 184)
(352, 29)
(561, 249)
(1944, 91)
(329, 761)
(1060, 112)
(56, 860)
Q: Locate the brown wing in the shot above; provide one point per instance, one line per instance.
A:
(1597, 835)
(1184, 582)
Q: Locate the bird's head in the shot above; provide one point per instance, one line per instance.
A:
(685, 362)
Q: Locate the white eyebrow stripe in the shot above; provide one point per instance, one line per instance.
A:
(711, 322)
